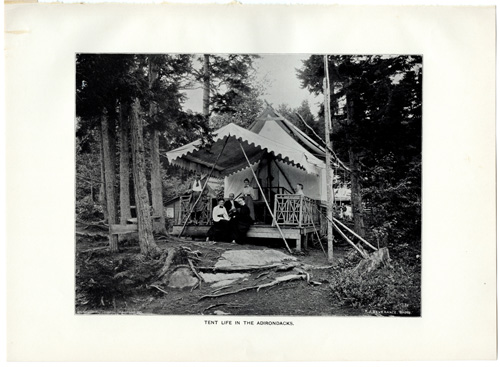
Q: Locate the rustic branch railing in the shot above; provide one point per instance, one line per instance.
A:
(202, 214)
(295, 210)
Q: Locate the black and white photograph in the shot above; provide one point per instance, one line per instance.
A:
(248, 184)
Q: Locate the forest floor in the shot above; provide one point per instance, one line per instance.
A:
(126, 283)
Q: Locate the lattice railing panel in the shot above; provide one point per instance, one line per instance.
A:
(203, 215)
(295, 210)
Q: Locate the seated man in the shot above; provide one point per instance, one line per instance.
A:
(241, 222)
(219, 231)
(231, 205)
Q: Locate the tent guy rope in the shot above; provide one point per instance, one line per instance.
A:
(324, 143)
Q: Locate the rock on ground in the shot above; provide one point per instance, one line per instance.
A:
(182, 278)
(252, 258)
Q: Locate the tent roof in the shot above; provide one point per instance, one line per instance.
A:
(193, 157)
(270, 113)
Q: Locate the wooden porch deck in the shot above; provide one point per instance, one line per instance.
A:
(301, 235)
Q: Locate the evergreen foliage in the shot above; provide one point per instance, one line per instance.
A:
(377, 114)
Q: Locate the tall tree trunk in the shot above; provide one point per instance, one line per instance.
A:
(102, 186)
(109, 177)
(356, 198)
(92, 180)
(146, 241)
(156, 184)
(206, 87)
(328, 163)
(124, 167)
(112, 154)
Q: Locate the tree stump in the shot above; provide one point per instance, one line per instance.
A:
(374, 261)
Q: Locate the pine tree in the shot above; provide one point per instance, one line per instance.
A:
(376, 106)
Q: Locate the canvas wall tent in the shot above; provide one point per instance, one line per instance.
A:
(280, 153)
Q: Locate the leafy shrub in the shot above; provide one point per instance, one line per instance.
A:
(107, 279)
(391, 290)
(393, 193)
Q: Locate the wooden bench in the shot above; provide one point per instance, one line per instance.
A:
(130, 227)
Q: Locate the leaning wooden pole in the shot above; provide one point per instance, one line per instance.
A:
(328, 165)
(355, 234)
(349, 241)
(284, 175)
(203, 188)
(265, 200)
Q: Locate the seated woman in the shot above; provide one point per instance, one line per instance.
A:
(220, 229)
(241, 221)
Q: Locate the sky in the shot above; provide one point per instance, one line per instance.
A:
(277, 72)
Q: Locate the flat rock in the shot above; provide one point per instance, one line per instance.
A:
(222, 279)
(242, 258)
(182, 278)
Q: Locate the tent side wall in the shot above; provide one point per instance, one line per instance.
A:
(234, 183)
(314, 184)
